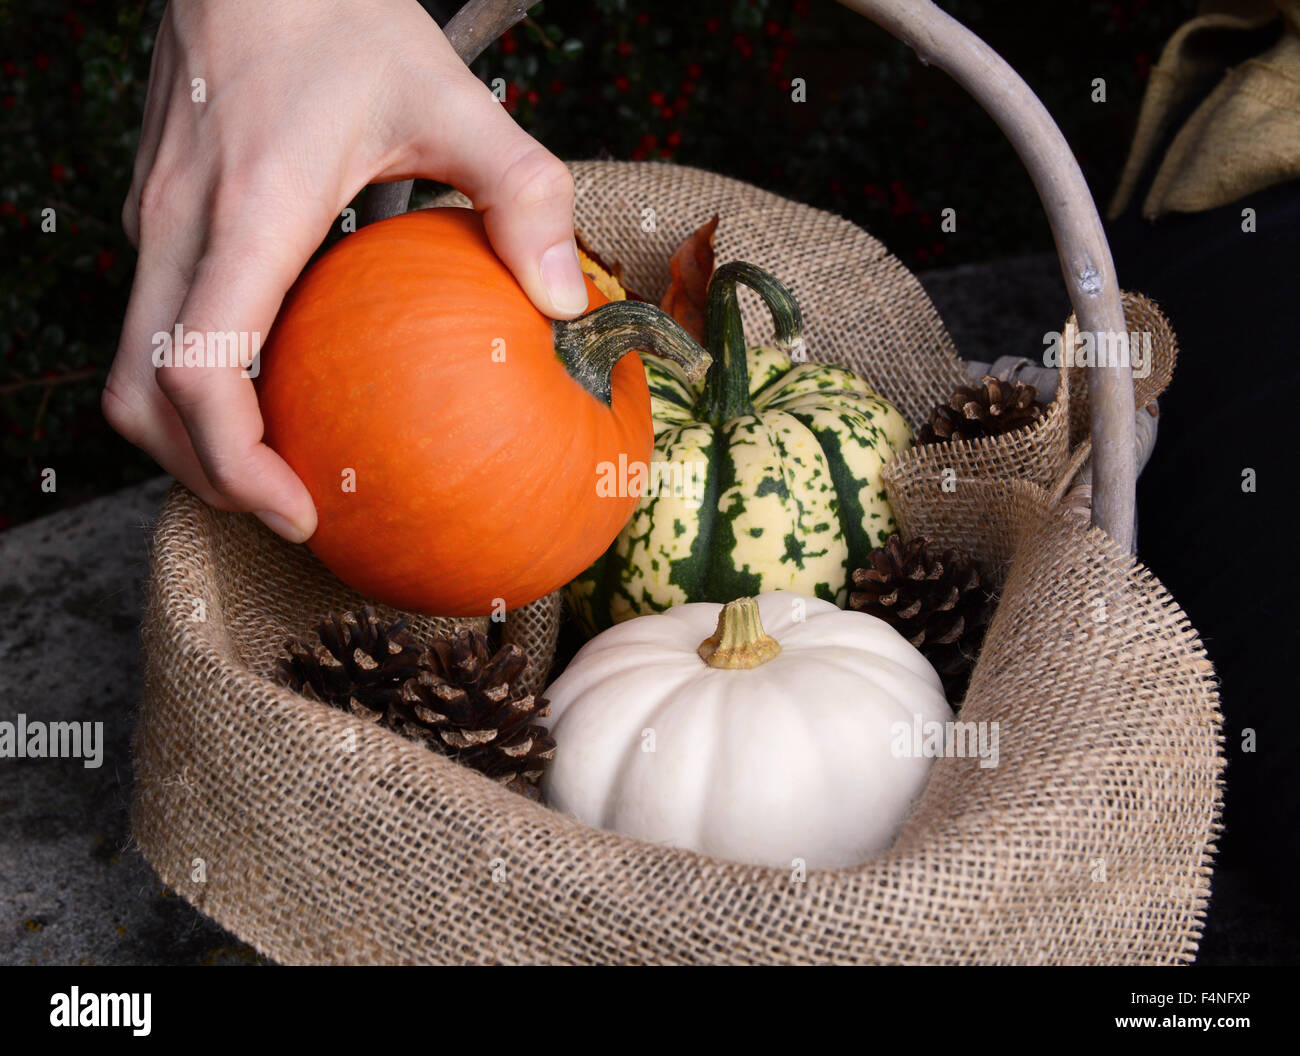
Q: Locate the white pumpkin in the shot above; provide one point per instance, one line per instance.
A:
(772, 749)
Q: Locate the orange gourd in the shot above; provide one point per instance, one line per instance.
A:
(451, 435)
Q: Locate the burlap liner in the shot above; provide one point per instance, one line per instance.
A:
(324, 840)
(1147, 321)
(915, 481)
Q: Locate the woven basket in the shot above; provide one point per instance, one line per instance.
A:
(322, 840)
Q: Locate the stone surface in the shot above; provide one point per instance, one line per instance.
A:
(72, 889)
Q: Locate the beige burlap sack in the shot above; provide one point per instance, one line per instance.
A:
(1244, 135)
(327, 841)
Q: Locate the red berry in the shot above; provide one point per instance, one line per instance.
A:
(533, 97)
(695, 71)
(664, 152)
(674, 138)
(801, 8)
(42, 61)
(772, 28)
(557, 86)
(712, 25)
(642, 19)
(923, 255)
(78, 30)
(649, 141)
(680, 104)
(638, 154)
(741, 43)
(509, 45)
(8, 208)
(622, 83)
(666, 113)
(9, 68)
(787, 37)
(623, 49)
(656, 98)
(58, 172)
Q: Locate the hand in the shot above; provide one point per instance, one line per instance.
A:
(307, 101)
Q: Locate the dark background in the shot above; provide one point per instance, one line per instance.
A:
(881, 140)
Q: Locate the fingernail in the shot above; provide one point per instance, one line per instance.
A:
(562, 277)
(282, 526)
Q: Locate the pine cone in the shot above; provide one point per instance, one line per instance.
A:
(995, 407)
(454, 696)
(462, 704)
(359, 665)
(938, 602)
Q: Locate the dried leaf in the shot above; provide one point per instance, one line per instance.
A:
(607, 277)
(691, 268)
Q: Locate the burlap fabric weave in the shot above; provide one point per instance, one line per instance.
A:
(326, 841)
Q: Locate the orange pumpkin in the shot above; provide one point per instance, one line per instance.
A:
(450, 434)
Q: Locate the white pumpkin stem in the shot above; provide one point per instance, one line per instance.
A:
(740, 641)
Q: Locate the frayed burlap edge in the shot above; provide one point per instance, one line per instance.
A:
(919, 480)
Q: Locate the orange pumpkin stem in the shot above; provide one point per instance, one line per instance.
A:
(593, 344)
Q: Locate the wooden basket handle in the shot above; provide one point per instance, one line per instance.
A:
(940, 40)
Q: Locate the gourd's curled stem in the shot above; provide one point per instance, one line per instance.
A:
(726, 388)
(591, 345)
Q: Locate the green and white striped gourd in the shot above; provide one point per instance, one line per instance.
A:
(767, 474)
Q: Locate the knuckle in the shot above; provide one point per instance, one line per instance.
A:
(154, 202)
(538, 178)
(131, 217)
(183, 386)
(124, 418)
(232, 199)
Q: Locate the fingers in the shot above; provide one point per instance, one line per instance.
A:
(237, 289)
(524, 192)
(131, 402)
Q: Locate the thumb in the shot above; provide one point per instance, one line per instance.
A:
(525, 194)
